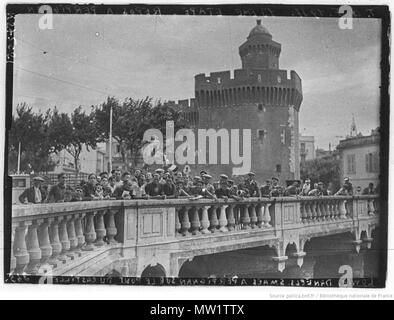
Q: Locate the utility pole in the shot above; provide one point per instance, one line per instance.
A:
(19, 158)
(110, 140)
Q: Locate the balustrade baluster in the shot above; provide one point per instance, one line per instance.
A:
(20, 249)
(205, 220)
(260, 215)
(45, 242)
(33, 248)
(177, 221)
(79, 232)
(185, 224)
(304, 215)
(55, 242)
(253, 216)
(230, 218)
(267, 215)
(63, 236)
(213, 218)
(237, 216)
(313, 209)
(13, 259)
(245, 217)
(90, 233)
(223, 218)
(308, 209)
(195, 224)
(336, 209)
(329, 210)
(371, 207)
(323, 210)
(111, 229)
(342, 209)
(318, 211)
(72, 237)
(100, 229)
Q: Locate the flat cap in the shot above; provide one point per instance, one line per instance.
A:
(159, 170)
(207, 176)
(38, 178)
(275, 178)
(251, 174)
(223, 176)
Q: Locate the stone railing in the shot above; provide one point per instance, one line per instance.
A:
(60, 234)
(55, 234)
(205, 217)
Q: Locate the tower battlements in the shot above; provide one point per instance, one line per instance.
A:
(267, 86)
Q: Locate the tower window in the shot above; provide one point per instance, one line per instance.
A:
(261, 134)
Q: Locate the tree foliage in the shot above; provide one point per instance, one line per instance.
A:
(326, 170)
(131, 118)
(73, 132)
(31, 131)
(42, 135)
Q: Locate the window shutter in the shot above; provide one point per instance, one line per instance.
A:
(376, 162)
(366, 163)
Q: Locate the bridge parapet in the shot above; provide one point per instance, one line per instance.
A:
(66, 237)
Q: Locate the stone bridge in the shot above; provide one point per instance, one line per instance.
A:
(137, 238)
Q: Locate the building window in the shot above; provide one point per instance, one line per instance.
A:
(278, 168)
(259, 77)
(118, 148)
(261, 134)
(302, 147)
(351, 164)
(372, 162)
(260, 107)
(219, 80)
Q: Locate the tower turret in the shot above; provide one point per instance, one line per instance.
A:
(260, 51)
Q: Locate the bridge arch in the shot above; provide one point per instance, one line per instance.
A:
(113, 274)
(156, 271)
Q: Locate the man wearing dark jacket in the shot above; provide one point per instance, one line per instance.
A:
(56, 194)
(33, 194)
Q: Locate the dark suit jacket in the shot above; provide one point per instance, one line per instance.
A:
(30, 195)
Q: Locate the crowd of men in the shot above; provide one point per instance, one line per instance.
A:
(165, 184)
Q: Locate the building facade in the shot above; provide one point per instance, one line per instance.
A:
(307, 148)
(90, 161)
(359, 157)
(260, 97)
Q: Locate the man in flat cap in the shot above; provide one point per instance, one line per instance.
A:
(293, 189)
(56, 194)
(33, 194)
(266, 188)
(206, 178)
(252, 185)
(306, 187)
(276, 189)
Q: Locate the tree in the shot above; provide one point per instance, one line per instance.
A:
(72, 133)
(326, 170)
(31, 131)
(130, 120)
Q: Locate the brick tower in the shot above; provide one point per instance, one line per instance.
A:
(260, 97)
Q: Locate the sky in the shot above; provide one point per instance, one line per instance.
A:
(85, 58)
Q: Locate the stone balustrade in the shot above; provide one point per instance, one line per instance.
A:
(55, 234)
(58, 234)
(206, 217)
